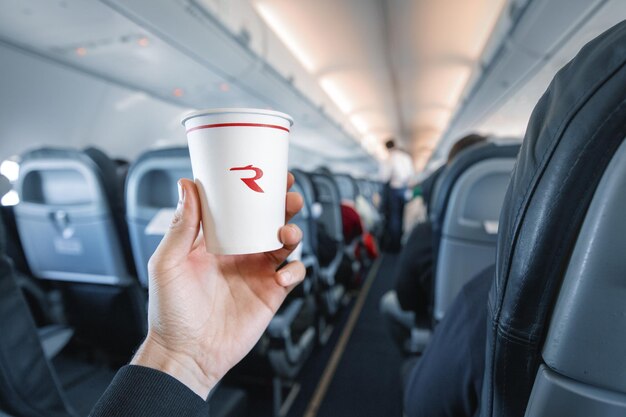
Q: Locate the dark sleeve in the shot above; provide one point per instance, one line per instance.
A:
(137, 391)
(414, 270)
(447, 380)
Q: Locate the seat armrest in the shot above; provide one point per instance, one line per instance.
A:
(54, 338)
(281, 323)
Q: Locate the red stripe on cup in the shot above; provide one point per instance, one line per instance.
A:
(237, 125)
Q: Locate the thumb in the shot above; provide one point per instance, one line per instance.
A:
(179, 240)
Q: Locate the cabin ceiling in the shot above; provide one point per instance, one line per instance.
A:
(394, 67)
(351, 72)
(377, 68)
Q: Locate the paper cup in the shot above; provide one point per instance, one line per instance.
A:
(239, 162)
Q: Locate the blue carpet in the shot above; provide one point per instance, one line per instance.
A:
(367, 380)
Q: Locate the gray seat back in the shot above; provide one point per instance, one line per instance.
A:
(348, 189)
(150, 188)
(584, 366)
(66, 221)
(470, 228)
(303, 220)
(305, 187)
(327, 194)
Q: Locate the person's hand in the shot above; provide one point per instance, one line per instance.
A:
(206, 312)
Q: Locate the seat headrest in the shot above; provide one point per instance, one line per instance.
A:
(51, 153)
(572, 135)
(304, 180)
(171, 152)
(428, 185)
(465, 159)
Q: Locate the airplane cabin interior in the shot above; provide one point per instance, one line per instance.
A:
(450, 243)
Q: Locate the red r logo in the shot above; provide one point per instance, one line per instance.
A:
(251, 182)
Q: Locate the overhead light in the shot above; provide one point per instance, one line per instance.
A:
(178, 92)
(224, 87)
(458, 78)
(81, 51)
(335, 93)
(287, 36)
(10, 169)
(130, 100)
(143, 41)
(359, 122)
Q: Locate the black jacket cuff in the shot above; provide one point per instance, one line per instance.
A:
(137, 391)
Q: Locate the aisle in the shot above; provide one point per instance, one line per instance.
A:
(367, 381)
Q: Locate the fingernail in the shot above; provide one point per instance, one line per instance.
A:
(286, 277)
(297, 231)
(181, 196)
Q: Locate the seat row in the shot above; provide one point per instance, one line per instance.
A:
(90, 228)
(463, 211)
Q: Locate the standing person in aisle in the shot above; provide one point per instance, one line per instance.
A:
(398, 174)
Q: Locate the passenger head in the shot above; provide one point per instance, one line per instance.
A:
(464, 143)
(390, 144)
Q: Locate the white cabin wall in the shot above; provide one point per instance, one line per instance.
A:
(46, 104)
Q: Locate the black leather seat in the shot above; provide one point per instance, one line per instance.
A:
(557, 329)
(72, 227)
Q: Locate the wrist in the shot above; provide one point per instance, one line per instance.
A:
(153, 354)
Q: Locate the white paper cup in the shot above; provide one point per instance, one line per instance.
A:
(239, 162)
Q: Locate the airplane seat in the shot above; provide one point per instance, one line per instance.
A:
(151, 190)
(292, 331)
(557, 328)
(348, 189)
(367, 209)
(330, 241)
(475, 184)
(306, 252)
(352, 229)
(28, 385)
(14, 249)
(364, 189)
(69, 224)
(466, 199)
(121, 167)
(33, 385)
(428, 186)
(450, 176)
(323, 287)
(314, 209)
(113, 174)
